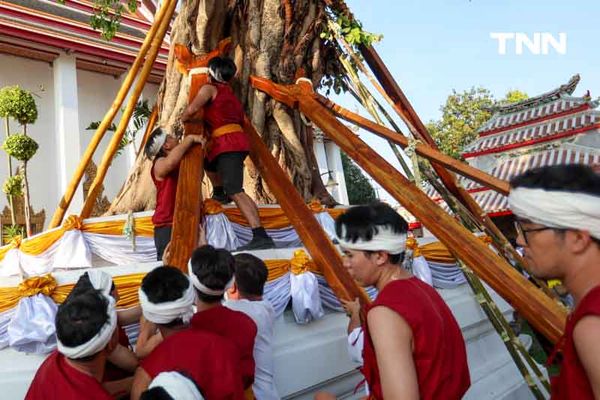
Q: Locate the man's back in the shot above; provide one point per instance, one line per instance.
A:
(263, 315)
(235, 326)
(57, 380)
(211, 361)
(439, 351)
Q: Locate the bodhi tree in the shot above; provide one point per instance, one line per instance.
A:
(276, 39)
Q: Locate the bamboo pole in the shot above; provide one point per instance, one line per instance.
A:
(533, 304)
(151, 122)
(65, 201)
(113, 146)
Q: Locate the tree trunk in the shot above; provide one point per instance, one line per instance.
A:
(276, 39)
(27, 208)
(11, 203)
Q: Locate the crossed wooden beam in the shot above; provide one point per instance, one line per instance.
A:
(546, 315)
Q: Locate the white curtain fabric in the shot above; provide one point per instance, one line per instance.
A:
(306, 300)
(72, 252)
(220, 232)
(119, 250)
(31, 328)
(421, 270)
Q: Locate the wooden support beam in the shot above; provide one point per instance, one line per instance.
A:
(423, 150)
(543, 313)
(303, 219)
(188, 210)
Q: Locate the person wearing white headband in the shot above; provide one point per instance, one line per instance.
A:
(172, 386)
(229, 146)
(211, 272)
(413, 346)
(122, 361)
(557, 219)
(167, 299)
(166, 152)
(85, 331)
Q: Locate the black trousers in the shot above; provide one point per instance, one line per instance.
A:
(162, 237)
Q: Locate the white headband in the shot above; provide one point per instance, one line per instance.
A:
(557, 209)
(384, 240)
(157, 144)
(98, 342)
(202, 288)
(177, 386)
(101, 281)
(216, 75)
(163, 313)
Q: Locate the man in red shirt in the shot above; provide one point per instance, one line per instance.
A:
(557, 213)
(166, 153)
(413, 346)
(167, 298)
(85, 331)
(229, 145)
(211, 272)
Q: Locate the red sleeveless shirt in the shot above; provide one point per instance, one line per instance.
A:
(225, 109)
(572, 382)
(166, 190)
(439, 348)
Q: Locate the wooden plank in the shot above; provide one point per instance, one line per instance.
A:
(188, 210)
(303, 219)
(426, 151)
(544, 314)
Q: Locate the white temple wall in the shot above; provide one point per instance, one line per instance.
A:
(95, 93)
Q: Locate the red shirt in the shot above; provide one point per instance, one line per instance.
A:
(225, 109)
(573, 382)
(439, 348)
(211, 361)
(57, 380)
(235, 326)
(166, 190)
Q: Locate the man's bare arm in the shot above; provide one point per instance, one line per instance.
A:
(165, 165)
(205, 94)
(392, 339)
(586, 336)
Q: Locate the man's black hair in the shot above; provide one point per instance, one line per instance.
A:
(251, 274)
(164, 284)
(213, 268)
(84, 284)
(363, 222)
(224, 67)
(158, 393)
(81, 317)
(575, 178)
(151, 139)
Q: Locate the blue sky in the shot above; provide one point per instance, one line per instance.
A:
(434, 46)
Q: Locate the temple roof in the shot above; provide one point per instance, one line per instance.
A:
(557, 120)
(566, 89)
(41, 29)
(493, 202)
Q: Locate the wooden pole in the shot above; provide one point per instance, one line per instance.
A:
(149, 127)
(65, 201)
(188, 211)
(423, 150)
(303, 219)
(113, 146)
(544, 314)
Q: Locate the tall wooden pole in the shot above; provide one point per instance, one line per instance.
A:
(115, 141)
(303, 219)
(65, 201)
(544, 314)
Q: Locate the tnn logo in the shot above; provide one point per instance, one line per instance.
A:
(540, 44)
